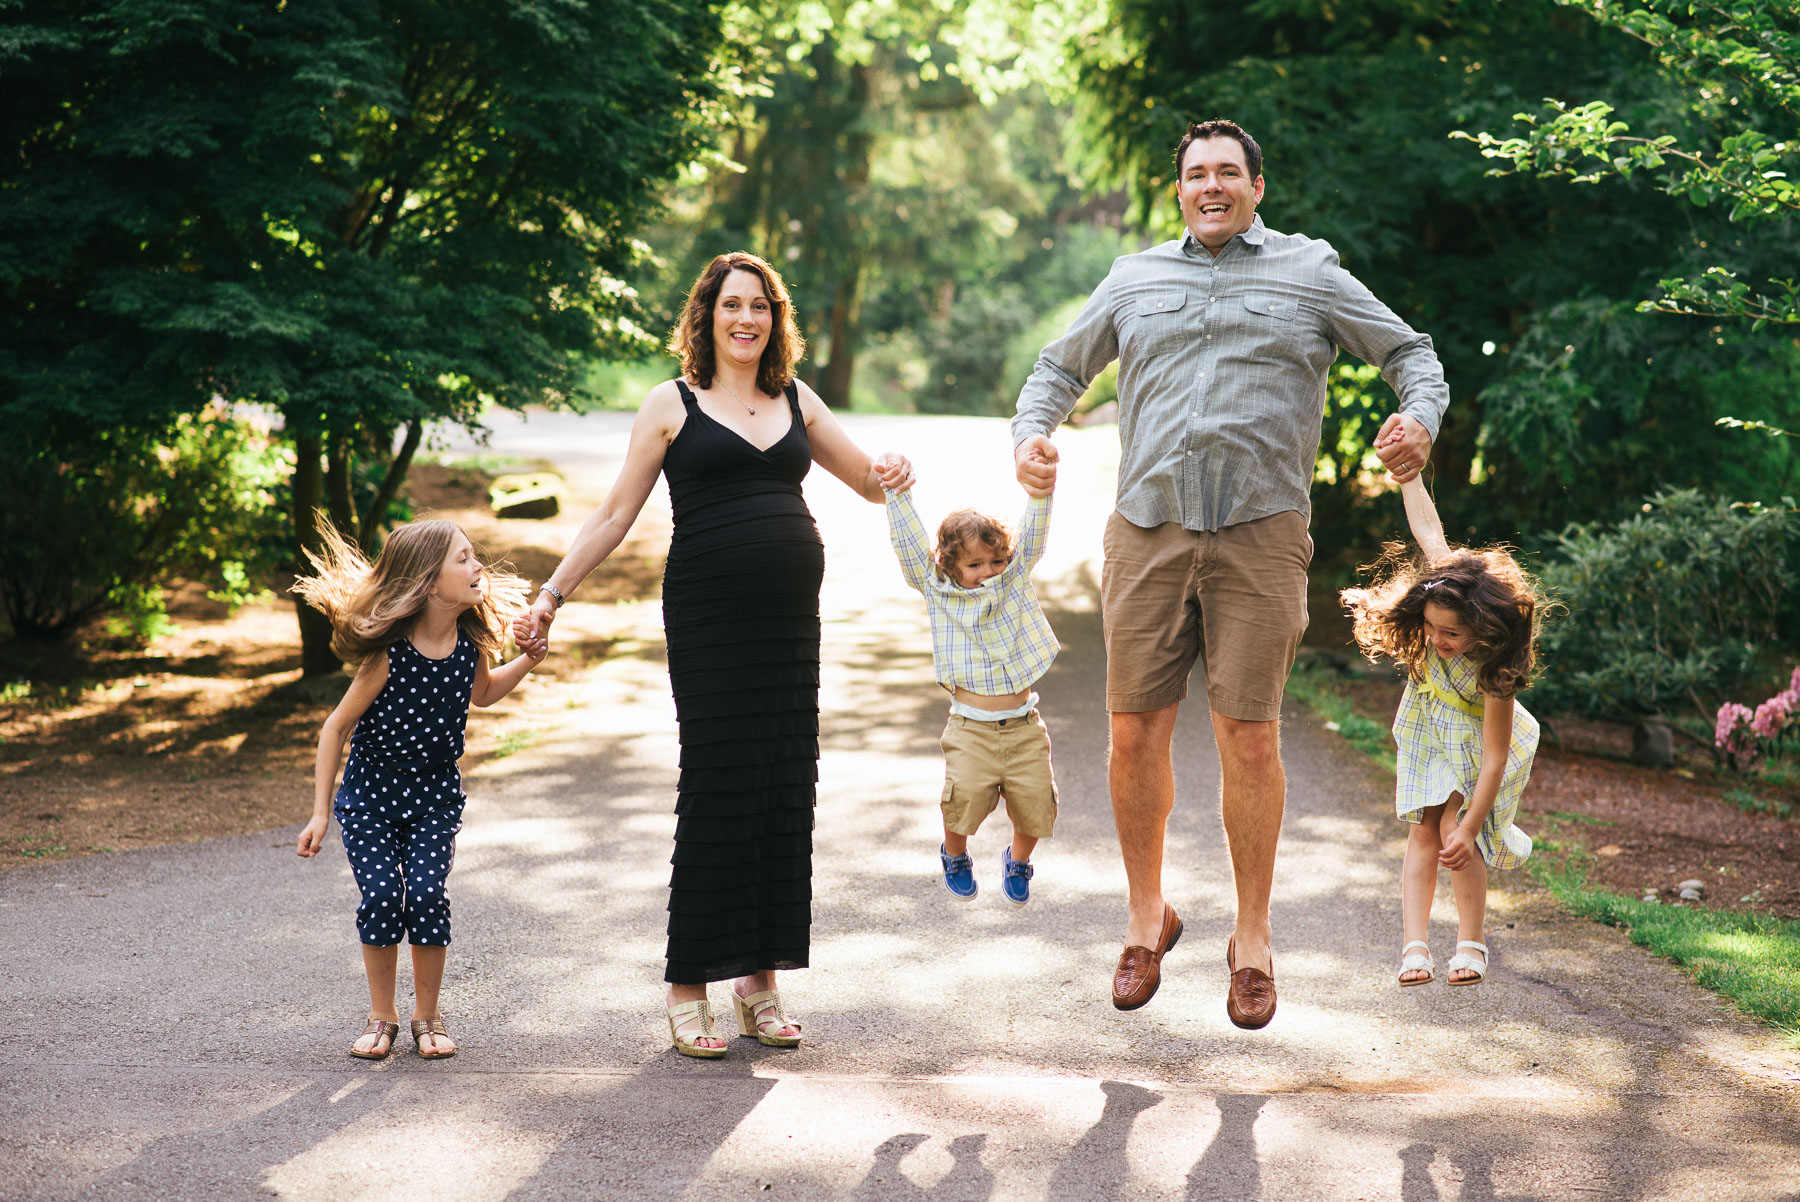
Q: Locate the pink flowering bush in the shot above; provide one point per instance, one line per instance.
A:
(1744, 736)
(1733, 737)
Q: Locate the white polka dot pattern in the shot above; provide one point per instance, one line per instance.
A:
(401, 801)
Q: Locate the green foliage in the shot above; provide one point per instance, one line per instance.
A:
(1738, 65)
(1667, 608)
(1354, 105)
(96, 529)
(368, 216)
(1750, 803)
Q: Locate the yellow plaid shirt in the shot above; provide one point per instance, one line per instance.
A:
(991, 640)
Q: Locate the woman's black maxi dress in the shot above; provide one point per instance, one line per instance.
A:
(741, 614)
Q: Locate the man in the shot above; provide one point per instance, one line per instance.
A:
(1223, 340)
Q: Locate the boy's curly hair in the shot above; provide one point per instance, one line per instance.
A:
(371, 605)
(1497, 600)
(963, 526)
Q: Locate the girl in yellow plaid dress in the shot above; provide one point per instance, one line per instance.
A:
(1464, 626)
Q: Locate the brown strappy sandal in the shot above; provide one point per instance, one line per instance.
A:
(380, 1029)
(434, 1026)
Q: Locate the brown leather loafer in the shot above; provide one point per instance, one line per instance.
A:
(1140, 968)
(1250, 1002)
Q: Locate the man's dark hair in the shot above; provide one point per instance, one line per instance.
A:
(1200, 131)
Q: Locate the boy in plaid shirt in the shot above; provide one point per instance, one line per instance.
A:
(990, 642)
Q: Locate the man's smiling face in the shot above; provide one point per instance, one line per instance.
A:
(1218, 197)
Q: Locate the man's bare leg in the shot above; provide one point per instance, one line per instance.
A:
(1252, 792)
(1142, 780)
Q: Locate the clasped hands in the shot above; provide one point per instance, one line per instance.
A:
(1403, 446)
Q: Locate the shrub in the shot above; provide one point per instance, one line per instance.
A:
(1666, 607)
(94, 529)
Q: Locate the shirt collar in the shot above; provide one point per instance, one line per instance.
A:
(1253, 236)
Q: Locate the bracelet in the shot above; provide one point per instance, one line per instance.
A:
(554, 592)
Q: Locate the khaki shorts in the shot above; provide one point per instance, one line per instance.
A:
(1235, 599)
(984, 761)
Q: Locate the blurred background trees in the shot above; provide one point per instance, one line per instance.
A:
(368, 219)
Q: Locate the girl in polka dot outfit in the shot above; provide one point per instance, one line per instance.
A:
(423, 623)
(1463, 624)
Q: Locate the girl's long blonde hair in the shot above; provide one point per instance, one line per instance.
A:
(371, 605)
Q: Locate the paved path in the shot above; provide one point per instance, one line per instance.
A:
(175, 1018)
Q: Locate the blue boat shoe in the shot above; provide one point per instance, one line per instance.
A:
(959, 875)
(1016, 883)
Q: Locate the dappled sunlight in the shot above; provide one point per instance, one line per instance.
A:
(358, 1161)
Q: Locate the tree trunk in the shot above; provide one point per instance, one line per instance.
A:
(316, 656)
(834, 383)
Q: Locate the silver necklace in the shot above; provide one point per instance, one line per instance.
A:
(740, 400)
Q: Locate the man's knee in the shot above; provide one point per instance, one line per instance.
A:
(1146, 734)
(1252, 744)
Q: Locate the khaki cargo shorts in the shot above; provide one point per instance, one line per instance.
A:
(985, 761)
(1234, 599)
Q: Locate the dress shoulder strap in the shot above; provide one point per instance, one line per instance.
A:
(688, 398)
(793, 395)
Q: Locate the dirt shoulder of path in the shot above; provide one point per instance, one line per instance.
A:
(211, 731)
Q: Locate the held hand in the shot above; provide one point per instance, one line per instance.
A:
(533, 626)
(1403, 447)
(1459, 850)
(895, 472)
(312, 837)
(535, 650)
(1034, 462)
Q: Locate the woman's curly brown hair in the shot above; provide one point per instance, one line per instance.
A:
(1490, 594)
(691, 340)
(372, 605)
(965, 526)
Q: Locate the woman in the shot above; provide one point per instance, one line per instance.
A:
(735, 434)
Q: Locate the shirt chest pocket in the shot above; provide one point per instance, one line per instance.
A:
(1271, 308)
(1159, 320)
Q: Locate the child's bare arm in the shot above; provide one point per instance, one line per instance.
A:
(1422, 516)
(1496, 743)
(492, 686)
(350, 709)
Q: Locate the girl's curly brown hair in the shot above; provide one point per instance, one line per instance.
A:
(691, 340)
(964, 526)
(371, 605)
(1490, 594)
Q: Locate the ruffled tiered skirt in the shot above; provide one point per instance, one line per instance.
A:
(741, 614)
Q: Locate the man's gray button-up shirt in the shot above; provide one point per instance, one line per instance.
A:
(1222, 365)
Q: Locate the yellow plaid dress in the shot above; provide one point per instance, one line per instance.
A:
(1438, 733)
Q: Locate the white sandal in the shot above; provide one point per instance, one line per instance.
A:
(696, 1017)
(762, 1017)
(1417, 963)
(1463, 962)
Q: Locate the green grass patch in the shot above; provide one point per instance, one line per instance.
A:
(515, 742)
(1753, 959)
(1584, 819)
(34, 846)
(1316, 687)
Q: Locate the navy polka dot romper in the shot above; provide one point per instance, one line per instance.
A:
(401, 802)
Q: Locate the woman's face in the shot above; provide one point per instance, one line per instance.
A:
(742, 317)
